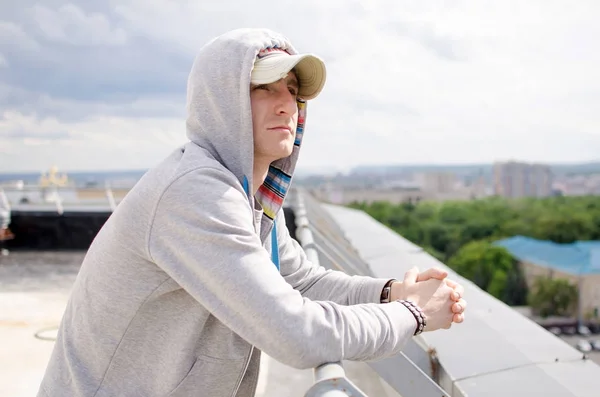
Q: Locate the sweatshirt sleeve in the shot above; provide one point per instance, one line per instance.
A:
(202, 236)
(317, 283)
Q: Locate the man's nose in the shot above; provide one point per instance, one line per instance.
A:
(286, 102)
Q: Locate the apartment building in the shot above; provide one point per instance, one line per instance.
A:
(515, 179)
(438, 182)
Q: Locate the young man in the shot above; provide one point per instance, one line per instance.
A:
(195, 273)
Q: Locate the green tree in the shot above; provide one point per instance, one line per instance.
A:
(453, 212)
(450, 225)
(515, 293)
(595, 235)
(381, 210)
(433, 252)
(513, 227)
(565, 228)
(426, 211)
(477, 229)
(553, 297)
(399, 218)
(438, 235)
(497, 284)
(479, 261)
(460, 232)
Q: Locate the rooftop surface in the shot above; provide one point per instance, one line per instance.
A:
(496, 352)
(34, 289)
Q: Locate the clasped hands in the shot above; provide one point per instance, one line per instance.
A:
(432, 288)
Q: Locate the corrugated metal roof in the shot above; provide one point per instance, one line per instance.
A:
(497, 351)
(581, 257)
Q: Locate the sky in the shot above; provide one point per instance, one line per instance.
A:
(100, 84)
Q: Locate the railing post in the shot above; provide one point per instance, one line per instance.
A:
(331, 381)
(58, 202)
(5, 209)
(111, 198)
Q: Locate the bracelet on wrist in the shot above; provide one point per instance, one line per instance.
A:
(417, 313)
(386, 293)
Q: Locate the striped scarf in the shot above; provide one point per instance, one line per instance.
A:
(272, 192)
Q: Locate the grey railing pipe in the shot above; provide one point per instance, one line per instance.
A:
(330, 378)
(331, 381)
(400, 372)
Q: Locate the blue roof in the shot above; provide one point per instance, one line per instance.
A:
(580, 257)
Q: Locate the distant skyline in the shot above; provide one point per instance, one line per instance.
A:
(595, 165)
(100, 84)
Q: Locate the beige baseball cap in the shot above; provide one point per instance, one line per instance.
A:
(274, 64)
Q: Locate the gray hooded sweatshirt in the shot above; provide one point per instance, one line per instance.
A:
(179, 293)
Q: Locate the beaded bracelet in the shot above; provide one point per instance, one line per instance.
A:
(418, 313)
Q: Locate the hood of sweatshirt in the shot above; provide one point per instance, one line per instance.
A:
(219, 115)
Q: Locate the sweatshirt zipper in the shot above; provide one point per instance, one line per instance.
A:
(243, 372)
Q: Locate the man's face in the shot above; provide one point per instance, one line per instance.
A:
(274, 118)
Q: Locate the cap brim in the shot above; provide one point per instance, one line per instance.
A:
(310, 71)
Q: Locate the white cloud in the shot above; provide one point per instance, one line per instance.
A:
(3, 61)
(69, 24)
(409, 82)
(100, 142)
(12, 35)
(70, 109)
(16, 126)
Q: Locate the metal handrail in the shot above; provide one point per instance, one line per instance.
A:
(331, 381)
(330, 378)
(37, 187)
(60, 202)
(334, 379)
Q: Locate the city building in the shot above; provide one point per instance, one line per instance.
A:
(578, 262)
(515, 179)
(438, 182)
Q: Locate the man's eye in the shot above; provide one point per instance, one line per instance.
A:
(293, 91)
(260, 87)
